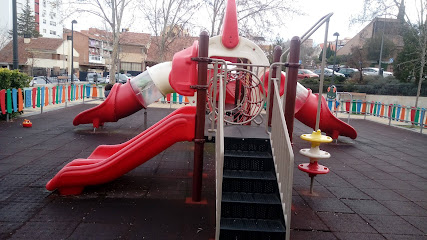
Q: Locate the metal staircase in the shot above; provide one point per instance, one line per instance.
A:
(251, 207)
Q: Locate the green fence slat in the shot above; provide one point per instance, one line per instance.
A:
(417, 115)
(353, 106)
(393, 114)
(9, 101)
(38, 97)
(72, 93)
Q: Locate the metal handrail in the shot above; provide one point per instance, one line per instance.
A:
(310, 32)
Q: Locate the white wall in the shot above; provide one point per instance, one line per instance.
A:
(388, 99)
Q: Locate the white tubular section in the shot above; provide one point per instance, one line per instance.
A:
(152, 84)
(160, 75)
(245, 49)
(283, 157)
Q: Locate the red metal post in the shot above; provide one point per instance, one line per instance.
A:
(199, 140)
(291, 82)
(276, 58)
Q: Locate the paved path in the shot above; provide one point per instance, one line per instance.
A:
(377, 187)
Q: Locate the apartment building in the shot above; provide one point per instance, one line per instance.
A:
(47, 15)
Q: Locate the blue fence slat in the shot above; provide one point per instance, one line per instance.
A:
(398, 112)
(87, 91)
(358, 106)
(27, 98)
(15, 100)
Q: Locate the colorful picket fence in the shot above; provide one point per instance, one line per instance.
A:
(175, 98)
(16, 100)
(393, 112)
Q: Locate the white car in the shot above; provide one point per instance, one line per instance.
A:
(328, 73)
(107, 79)
(375, 71)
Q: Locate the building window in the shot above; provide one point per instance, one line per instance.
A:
(52, 32)
(52, 23)
(44, 30)
(44, 3)
(44, 21)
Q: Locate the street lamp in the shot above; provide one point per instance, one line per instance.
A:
(335, 58)
(72, 51)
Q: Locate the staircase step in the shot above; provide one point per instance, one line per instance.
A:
(260, 175)
(243, 161)
(254, 225)
(248, 229)
(246, 154)
(247, 144)
(258, 198)
(249, 185)
(251, 205)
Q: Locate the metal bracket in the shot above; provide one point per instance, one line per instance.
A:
(292, 65)
(199, 87)
(202, 59)
(202, 140)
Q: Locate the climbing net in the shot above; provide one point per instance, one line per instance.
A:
(244, 95)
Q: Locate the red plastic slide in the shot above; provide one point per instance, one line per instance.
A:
(107, 163)
(121, 102)
(332, 126)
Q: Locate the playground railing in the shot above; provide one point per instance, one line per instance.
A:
(393, 112)
(17, 100)
(219, 144)
(282, 154)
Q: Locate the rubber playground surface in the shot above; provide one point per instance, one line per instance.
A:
(377, 187)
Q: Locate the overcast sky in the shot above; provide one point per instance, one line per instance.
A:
(298, 25)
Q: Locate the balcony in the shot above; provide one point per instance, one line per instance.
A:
(95, 59)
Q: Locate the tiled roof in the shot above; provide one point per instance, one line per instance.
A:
(126, 38)
(176, 46)
(39, 44)
(132, 38)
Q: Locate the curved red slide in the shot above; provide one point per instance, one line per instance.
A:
(107, 163)
(329, 124)
(121, 102)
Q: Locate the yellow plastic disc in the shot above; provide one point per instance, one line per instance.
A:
(316, 137)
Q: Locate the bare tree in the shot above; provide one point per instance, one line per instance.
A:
(380, 8)
(168, 20)
(375, 8)
(255, 17)
(358, 58)
(4, 36)
(110, 11)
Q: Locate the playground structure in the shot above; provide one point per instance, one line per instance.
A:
(241, 81)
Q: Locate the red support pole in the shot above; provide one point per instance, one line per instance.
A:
(276, 58)
(199, 139)
(291, 82)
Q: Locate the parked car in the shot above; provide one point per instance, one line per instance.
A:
(107, 79)
(40, 80)
(374, 71)
(348, 72)
(122, 78)
(95, 78)
(305, 73)
(328, 73)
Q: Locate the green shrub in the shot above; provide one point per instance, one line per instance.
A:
(13, 79)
